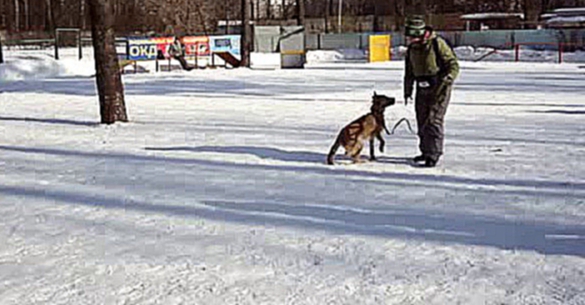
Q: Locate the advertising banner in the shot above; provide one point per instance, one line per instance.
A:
(153, 47)
(142, 49)
(196, 45)
(228, 44)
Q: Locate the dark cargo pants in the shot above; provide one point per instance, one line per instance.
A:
(431, 106)
(183, 63)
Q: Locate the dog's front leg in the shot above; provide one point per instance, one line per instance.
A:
(382, 142)
(372, 156)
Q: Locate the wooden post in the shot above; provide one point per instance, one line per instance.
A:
(1, 55)
(79, 45)
(517, 47)
(196, 51)
(56, 47)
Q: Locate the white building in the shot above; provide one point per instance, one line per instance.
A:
(565, 18)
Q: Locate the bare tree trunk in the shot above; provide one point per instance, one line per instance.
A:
(17, 15)
(109, 81)
(3, 13)
(50, 17)
(188, 17)
(26, 15)
(301, 12)
(376, 25)
(227, 17)
(399, 8)
(246, 43)
(82, 14)
(268, 10)
(282, 8)
(202, 19)
(326, 15)
(61, 20)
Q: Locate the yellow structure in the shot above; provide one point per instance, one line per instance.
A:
(379, 48)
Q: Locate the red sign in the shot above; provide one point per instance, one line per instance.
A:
(150, 48)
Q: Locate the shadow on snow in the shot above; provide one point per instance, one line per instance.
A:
(543, 237)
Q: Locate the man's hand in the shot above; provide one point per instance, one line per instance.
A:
(448, 80)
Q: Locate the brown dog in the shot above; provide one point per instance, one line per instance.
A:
(365, 128)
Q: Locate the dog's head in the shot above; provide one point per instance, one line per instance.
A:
(380, 102)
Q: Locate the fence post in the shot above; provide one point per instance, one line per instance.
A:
(79, 44)
(517, 48)
(127, 49)
(1, 54)
(56, 47)
(560, 52)
(196, 55)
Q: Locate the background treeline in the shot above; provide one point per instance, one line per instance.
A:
(202, 16)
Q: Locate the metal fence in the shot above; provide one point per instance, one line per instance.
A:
(538, 39)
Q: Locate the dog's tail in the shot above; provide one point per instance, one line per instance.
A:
(334, 149)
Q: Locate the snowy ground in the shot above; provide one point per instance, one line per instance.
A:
(216, 192)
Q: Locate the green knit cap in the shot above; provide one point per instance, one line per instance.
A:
(415, 26)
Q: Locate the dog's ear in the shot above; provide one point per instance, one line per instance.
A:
(375, 94)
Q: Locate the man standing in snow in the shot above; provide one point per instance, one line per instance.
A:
(176, 52)
(433, 66)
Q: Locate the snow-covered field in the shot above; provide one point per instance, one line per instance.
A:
(216, 192)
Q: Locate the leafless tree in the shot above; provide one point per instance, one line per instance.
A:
(301, 12)
(246, 41)
(201, 16)
(108, 78)
(327, 13)
(17, 14)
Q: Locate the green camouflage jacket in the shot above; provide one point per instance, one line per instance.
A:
(422, 62)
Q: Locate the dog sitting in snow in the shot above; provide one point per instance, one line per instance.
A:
(367, 127)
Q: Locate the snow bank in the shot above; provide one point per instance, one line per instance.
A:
(40, 66)
(342, 55)
(29, 66)
(265, 60)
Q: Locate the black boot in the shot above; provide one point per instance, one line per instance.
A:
(420, 158)
(430, 162)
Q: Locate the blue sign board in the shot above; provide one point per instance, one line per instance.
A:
(228, 43)
(142, 49)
